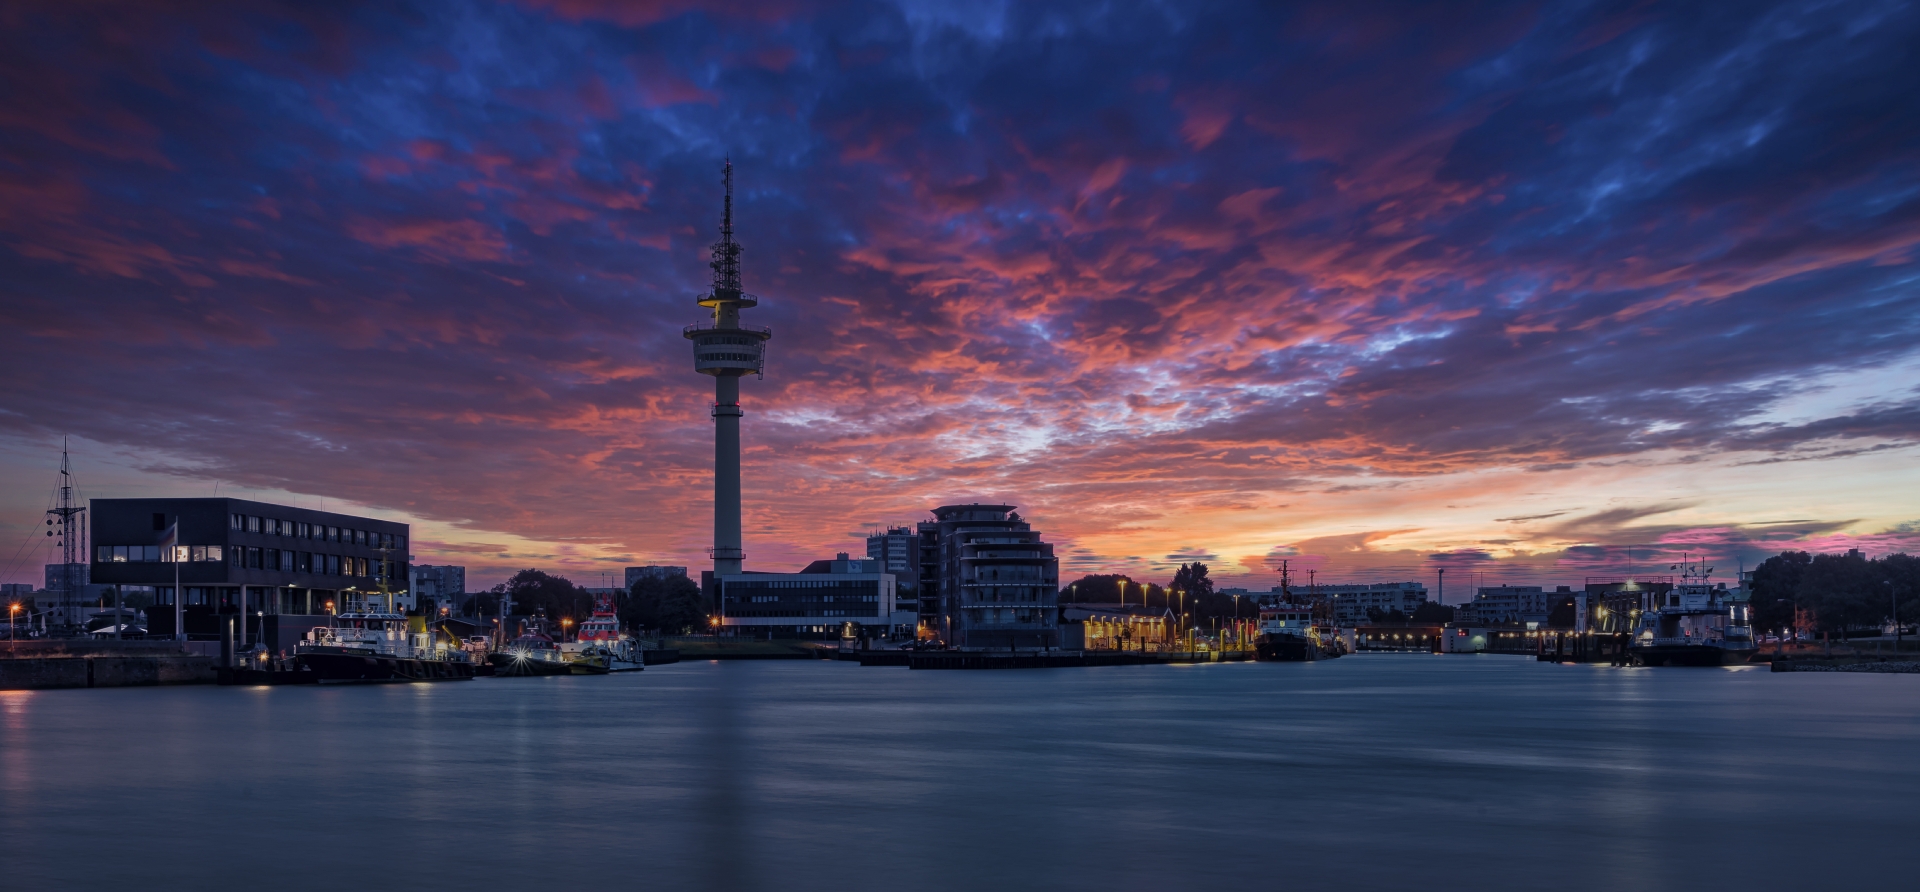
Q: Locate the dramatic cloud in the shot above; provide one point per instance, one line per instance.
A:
(1391, 288)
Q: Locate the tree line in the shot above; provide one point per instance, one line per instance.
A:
(1834, 592)
(671, 606)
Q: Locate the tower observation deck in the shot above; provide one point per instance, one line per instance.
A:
(728, 351)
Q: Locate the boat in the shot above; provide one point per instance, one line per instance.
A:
(601, 647)
(1696, 623)
(1289, 632)
(532, 653)
(368, 646)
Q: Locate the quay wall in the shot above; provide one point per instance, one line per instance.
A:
(58, 664)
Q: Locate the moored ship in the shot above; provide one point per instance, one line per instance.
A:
(532, 653)
(601, 647)
(1290, 633)
(368, 646)
(1694, 624)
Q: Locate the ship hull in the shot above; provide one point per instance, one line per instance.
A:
(361, 668)
(1284, 649)
(1689, 655)
(509, 666)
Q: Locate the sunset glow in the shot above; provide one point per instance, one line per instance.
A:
(1508, 291)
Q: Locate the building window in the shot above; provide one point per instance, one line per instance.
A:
(333, 565)
(253, 558)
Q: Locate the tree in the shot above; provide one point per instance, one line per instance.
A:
(1430, 613)
(535, 593)
(672, 605)
(1192, 579)
(1776, 585)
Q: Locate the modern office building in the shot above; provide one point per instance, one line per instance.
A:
(435, 586)
(651, 571)
(1352, 603)
(816, 602)
(997, 582)
(283, 567)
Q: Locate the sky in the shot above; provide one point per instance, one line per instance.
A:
(1375, 289)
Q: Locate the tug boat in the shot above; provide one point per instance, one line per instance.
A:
(1696, 623)
(533, 653)
(601, 647)
(366, 646)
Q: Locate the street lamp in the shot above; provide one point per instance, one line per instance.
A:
(13, 610)
(1894, 600)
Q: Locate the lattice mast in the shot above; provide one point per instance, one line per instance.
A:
(728, 351)
(65, 518)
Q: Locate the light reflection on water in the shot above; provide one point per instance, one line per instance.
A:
(1375, 771)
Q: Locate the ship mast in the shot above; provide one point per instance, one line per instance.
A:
(66, 517)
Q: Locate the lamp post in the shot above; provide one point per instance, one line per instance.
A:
(13, 610)
(1894, 601)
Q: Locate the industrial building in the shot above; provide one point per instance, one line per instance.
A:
(817, 602)
(997, 583)
(283, 567)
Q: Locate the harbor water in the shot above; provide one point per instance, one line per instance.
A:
(1368, 772)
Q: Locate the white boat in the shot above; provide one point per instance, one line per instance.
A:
(601, 646)
(1696, 623)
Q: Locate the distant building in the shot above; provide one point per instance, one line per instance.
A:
(279, 565)
(1510, 604)
(436, 586)
(652, 571)
(898, 550)
(1351, 603)
(997, 582)
(12, 590)
(815, 602)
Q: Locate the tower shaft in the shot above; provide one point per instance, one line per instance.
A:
(727, 555)
(728, 351)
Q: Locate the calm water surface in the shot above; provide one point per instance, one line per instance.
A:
(1369, 772)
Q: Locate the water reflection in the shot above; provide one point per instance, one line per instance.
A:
(1370, 771)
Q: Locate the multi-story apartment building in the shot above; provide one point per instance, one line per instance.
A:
(281, 567)
(436, 586)
(996, 581)
(1510, 604)
(898, 551)
(1353, 604)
